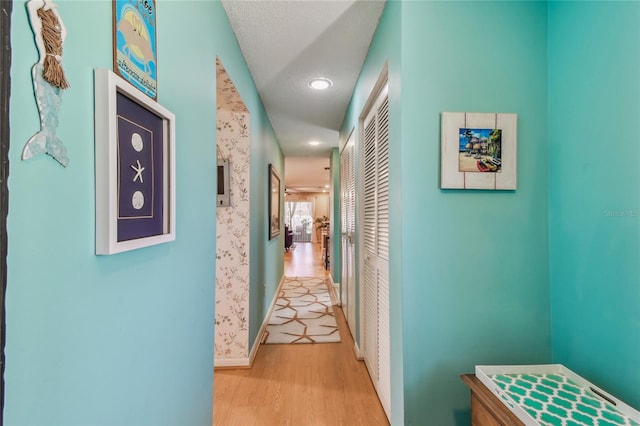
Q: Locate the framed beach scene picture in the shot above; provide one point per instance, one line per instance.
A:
(478, 151)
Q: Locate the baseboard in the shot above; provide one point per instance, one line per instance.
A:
(248, 362)
(334, 289)
(256, 343)
(356, 350)
(265, 320)
(333, 294)
(220, 364)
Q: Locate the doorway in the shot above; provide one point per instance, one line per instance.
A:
(374, 240)
(348, 232)
(232, 299)
(298, 217)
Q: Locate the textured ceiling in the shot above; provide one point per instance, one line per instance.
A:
(287, 43)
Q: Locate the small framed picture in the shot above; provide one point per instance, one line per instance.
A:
(478, 151)
(274, 202)
(135, 167)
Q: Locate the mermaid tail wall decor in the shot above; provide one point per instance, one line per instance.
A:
(48, 80)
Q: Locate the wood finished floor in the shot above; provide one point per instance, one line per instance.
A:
(304, 260)
(305, 384)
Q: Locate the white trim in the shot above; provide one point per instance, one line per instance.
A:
(336, 290)
(333, 291)
(356, 351)
(348, 231)
(232, 363)
(333, 283)
(382, 85)
(375, 93)
(265, 321)
(376, 97)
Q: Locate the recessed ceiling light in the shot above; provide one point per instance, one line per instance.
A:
(320, 83)
(314, 143)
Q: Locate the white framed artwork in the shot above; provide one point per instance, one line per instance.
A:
(478, 151)
(135, 167)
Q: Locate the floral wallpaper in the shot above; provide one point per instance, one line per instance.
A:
(227, 96)
(232, 244)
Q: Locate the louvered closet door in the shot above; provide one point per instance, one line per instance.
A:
(347, 207)
(376, 247)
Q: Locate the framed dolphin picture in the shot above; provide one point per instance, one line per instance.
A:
(134, 44)
(135, 167)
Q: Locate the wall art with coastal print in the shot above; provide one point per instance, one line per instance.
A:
(135, 167)
(478, 151)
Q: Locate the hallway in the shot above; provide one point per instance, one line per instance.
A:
(304, 260)
(305, 384)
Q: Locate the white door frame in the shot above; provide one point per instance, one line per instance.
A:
(348, 285)
(381, 84)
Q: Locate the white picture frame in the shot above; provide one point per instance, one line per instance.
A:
(483, 168)
(134, 167)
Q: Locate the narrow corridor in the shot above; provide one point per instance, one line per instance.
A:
(303, 384)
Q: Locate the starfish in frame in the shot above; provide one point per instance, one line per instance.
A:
(138, 171)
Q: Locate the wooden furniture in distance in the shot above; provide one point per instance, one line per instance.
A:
(288, 238)
(486, 408)
(325, 250)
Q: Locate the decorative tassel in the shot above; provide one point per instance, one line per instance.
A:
(53, 72)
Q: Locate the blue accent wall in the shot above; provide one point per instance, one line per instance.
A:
(267, 256)
(594, 113)
(549, 272)
(468, 269)
(475, 263)
(125, 339)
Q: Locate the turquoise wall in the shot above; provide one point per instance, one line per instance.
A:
(475, 263)
(267, 256)
(127, 338)
(469, 269)
(594, 110)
